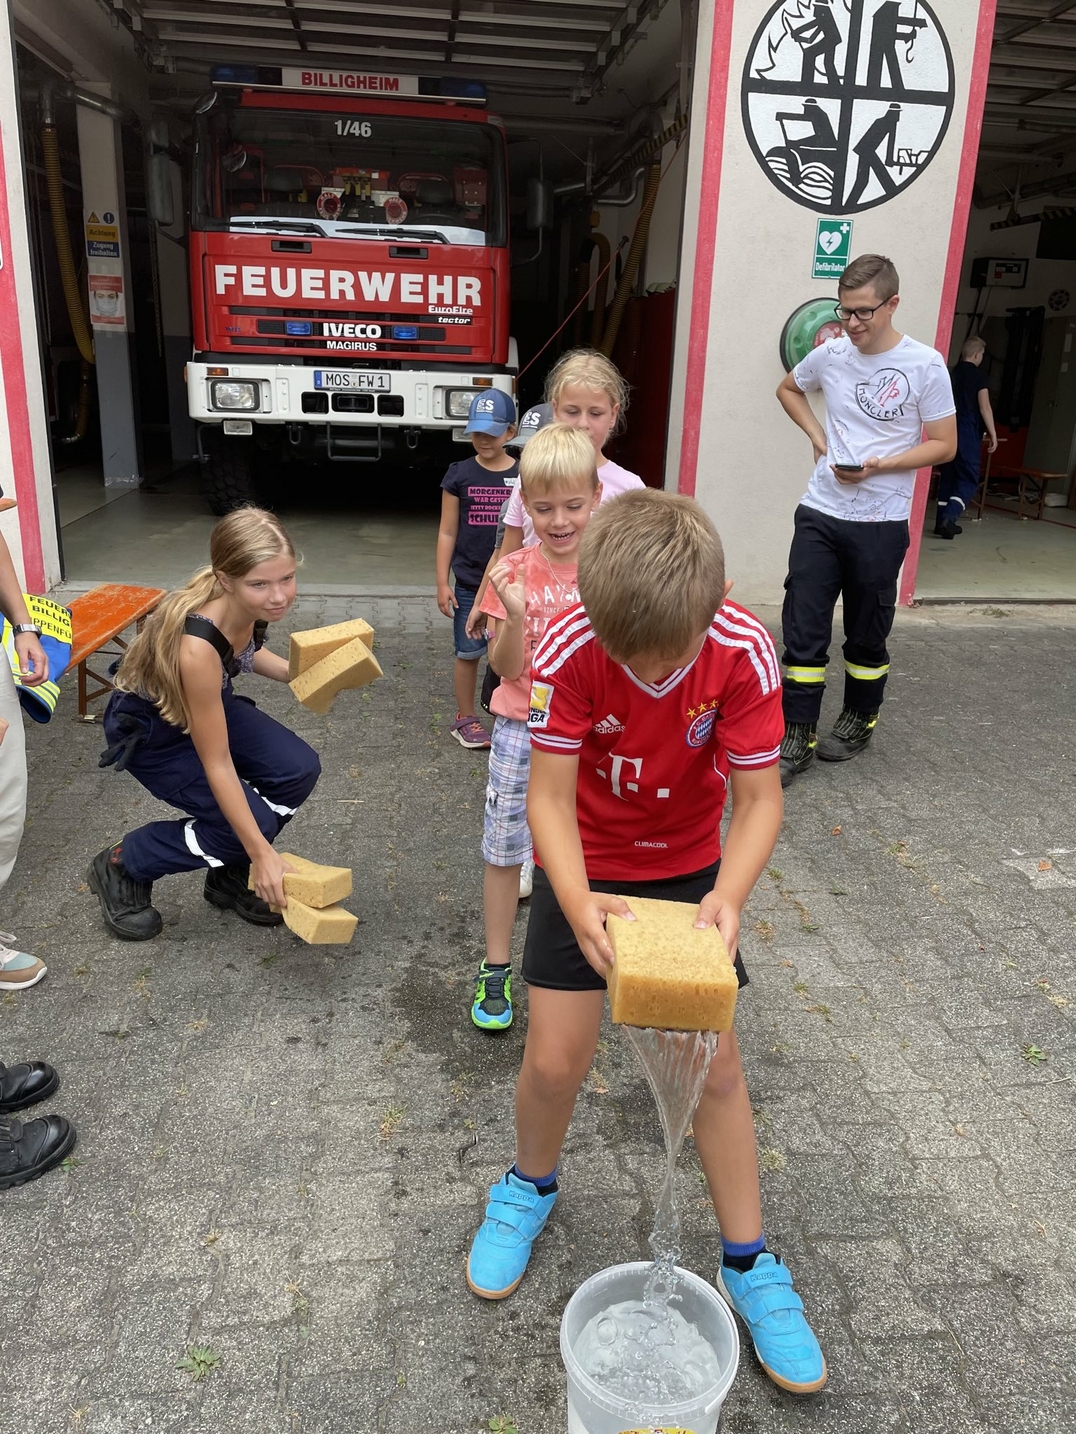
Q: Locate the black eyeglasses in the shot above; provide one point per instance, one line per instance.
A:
(863, 315)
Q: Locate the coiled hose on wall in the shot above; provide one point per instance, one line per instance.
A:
(50, 146)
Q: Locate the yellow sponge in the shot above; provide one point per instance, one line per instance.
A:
(312, 884)
(352, 665)
(331, 926)
(667, 974)
(317, 642)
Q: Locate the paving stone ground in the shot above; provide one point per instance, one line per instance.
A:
(284, 1150)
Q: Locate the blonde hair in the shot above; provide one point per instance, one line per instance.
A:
(238, 543)
(587, 368)
(972, 347)
(651, 574)
(557, 456)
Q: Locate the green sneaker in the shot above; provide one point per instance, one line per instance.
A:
(491, 1009)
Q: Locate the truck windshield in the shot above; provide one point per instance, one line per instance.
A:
(347, 175)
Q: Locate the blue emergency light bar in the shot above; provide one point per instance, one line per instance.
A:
(349, 82)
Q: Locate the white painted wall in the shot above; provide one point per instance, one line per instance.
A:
(753, 463)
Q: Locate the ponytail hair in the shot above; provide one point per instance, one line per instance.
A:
(238, 543)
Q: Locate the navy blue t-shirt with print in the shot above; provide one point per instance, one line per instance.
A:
(481, 494)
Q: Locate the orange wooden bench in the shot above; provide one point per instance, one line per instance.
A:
(98, 617)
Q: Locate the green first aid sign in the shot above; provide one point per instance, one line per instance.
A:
(832, 248)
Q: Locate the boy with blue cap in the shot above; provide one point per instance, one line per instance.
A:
(472, 492)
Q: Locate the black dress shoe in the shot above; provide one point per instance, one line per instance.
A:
(226, 887)
(25, 1084)
(29, 1148)
(125, 903)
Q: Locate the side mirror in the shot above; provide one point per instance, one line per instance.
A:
(539, 205)
(160, 203)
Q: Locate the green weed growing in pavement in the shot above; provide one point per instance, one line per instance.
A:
(1034, 1056)
(199, 1361)
(503, 1424)
(775, 873)
(390, 1122)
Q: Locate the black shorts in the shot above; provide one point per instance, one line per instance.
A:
(551, 956)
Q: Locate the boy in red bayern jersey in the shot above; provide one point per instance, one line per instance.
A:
(647, 702)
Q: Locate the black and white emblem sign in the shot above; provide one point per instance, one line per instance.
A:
(845, 102)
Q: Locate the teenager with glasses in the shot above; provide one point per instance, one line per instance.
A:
(883, 391)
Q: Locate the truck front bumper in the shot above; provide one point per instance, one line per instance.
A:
(287, 393)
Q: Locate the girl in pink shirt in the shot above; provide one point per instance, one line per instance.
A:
(588, 392)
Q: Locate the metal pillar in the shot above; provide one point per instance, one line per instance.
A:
(109, 284)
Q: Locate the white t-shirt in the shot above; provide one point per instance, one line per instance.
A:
(876, 405)
(611, 476)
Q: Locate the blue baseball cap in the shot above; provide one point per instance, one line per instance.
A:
(492, 411)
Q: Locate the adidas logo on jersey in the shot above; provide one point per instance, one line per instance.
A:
(608, 725)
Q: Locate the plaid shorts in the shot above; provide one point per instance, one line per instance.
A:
(506, 837)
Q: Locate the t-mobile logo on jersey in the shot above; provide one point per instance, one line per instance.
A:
(635, 769)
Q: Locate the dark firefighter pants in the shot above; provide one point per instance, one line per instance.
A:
(959, 480)
(276, 768)
(858, 562)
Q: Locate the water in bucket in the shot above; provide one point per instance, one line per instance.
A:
(669, 1350)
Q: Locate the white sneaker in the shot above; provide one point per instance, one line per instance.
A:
(18, 969)
(526, 879)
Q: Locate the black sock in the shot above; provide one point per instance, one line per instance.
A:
(546, 1185)
(744, 1262)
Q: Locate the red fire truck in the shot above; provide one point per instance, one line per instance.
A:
(349, 267)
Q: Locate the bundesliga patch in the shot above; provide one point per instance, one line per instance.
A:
(541, 701)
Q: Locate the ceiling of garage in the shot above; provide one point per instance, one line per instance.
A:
(564, 44)
(1029, 127)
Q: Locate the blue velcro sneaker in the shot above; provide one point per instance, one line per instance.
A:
(515, 1217)
(771, 1309)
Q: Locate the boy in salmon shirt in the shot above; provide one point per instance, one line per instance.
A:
(528, 589)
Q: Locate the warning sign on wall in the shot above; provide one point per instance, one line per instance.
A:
(102, 237)
(106, 300)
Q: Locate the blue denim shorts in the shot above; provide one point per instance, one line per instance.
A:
(469, 648)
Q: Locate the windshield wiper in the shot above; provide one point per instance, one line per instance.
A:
(381, 231)
(280, 226)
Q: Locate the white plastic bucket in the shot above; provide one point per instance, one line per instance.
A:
(592, 1409)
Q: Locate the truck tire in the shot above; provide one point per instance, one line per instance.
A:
(227, 479)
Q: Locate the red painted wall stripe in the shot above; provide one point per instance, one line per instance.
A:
(15, 399)
(705, 242)
(958, 236)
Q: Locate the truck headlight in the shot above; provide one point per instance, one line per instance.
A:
(458, 401)
(228, 394)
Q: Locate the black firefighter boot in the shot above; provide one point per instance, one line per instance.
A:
(797, 750)
(125, 902)
(226, 887)
(851, 733)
